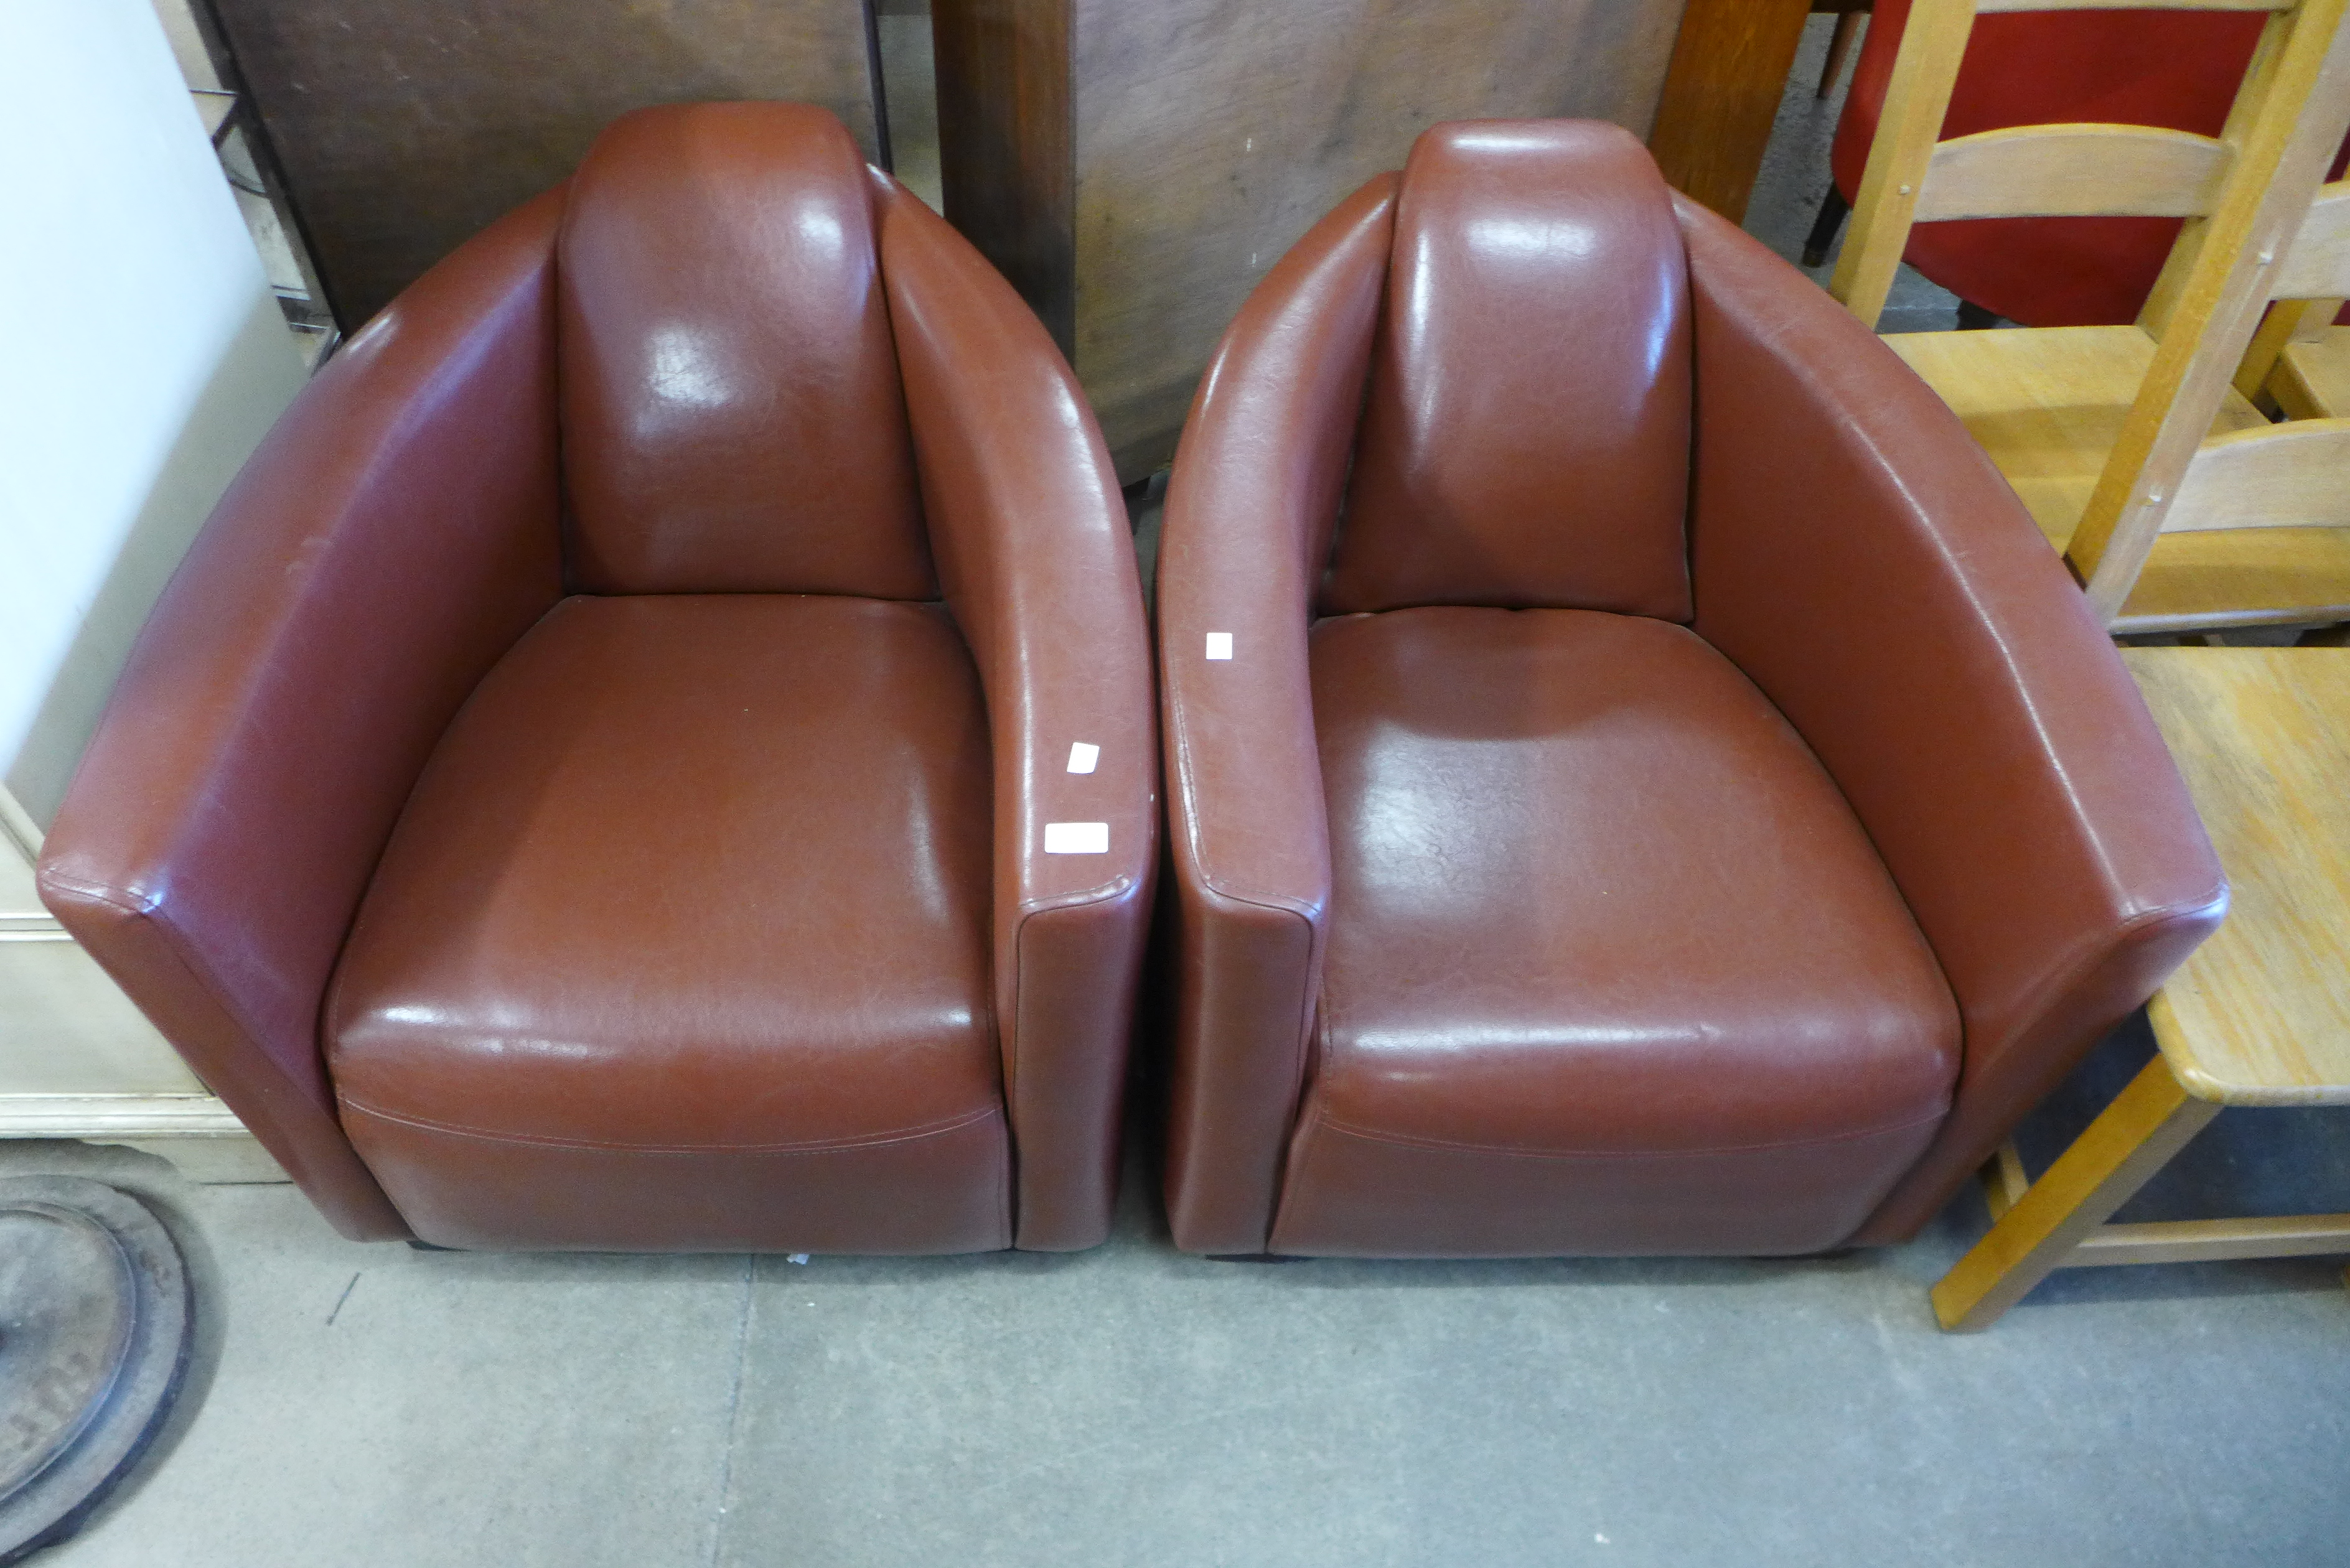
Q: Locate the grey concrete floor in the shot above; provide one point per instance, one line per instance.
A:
(366, 1405)
(371, 1405)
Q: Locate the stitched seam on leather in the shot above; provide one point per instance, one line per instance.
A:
(909, 1135)
(2131, 933)
(1449, 1145)
(215, 996)
(2128, 934)
(129, 902)
(1105, 893)
(1108, 892)
(1295, 1151)
(1289, 907)
(1299, 1050)
(2145, 920)
(1208, 878)
(1272, 904)
(167, 940)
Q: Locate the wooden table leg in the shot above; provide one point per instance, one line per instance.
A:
(2130, 1140)
(1721, 93)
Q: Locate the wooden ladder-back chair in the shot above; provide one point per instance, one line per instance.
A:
(2301, 357)
(2097, 427)
(2293, 476)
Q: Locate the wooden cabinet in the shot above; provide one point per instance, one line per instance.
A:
(401, 130)
(1135, 168)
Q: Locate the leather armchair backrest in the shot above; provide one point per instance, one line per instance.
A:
(1525, 440)
(732, 415)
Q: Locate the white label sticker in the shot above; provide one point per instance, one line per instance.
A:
(1220, 645)
(1076, 838)
(1082, 757)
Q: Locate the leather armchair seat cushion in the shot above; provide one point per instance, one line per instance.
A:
(1612, 967)
(681, 942)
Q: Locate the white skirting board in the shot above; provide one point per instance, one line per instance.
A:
(196, 1133)
(77, 1060)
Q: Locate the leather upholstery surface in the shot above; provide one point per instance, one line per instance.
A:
(1037, 564)
(1586, 932)
(384, 546)
(1860, 558)
(1594, 906)
(1525, 439)
(700, 877)
(721, 920)
(732, 415)
(1246, 530)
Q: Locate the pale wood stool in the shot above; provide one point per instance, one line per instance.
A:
(2259, 1015)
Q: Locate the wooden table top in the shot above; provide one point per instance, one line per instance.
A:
(2259, 1015)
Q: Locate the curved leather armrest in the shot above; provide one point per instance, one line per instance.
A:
(387, 542)
(1250, 512)
(1033, 550)
(1861, 560)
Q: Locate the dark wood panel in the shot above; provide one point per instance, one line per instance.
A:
(1729, 69)
(403, 129)
(1003, 144)
(1202, 137)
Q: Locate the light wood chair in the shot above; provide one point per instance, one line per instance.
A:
(2293, 476)
(2300, 360)
(2102, 430)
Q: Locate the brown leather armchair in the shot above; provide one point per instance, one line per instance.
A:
(1637, 781)
(552, 805)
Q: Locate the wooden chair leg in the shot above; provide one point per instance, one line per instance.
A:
(2004, 1182)
(1847, 27)
(2130, 1140)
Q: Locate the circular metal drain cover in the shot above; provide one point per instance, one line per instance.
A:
(93, 1339)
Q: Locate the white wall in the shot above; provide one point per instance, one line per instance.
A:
(141, 357)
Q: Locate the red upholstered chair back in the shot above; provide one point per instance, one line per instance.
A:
(2178, 69)
(1525, 435)
(732, 417)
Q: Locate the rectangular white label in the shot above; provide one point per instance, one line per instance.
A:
(1220, 645)
(1082, 757)
(1076, 838)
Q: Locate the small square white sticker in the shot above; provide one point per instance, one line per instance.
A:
(1220, 645)
(1076, 838)
(1082, 757)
